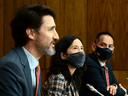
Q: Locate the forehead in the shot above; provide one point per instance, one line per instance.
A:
(106, 39)
(48, 20)
(77, 42)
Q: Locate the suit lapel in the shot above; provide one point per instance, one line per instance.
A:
(98, 65)
(26, 69)
(29, 79)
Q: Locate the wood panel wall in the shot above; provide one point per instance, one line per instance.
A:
(1, 28)
(121, 76)
(82, 18)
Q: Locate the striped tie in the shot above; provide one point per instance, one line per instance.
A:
(37, 78)
(106, 74)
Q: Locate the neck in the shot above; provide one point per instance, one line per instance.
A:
(71, 69)
(33, 50)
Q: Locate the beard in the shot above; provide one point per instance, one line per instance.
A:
(45, 49)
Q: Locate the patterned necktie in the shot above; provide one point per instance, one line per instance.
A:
(37, 78)
(106, 74)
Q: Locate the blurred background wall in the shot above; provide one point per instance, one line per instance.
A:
(82, 18)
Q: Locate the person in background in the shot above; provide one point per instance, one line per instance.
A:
(66, 69)
(34, 32)
(99, 73)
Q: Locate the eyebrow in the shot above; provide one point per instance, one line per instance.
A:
(106, 44)
(77, 46)
(51, 27)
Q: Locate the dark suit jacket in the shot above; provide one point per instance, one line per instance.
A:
(15, 74)
(95, 76)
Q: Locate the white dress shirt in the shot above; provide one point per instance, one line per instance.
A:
(33, 62)
(101, 63)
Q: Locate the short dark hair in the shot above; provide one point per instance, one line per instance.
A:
(102, 33)
(28, 16)
(58, 65)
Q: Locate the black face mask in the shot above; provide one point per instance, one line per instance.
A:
(76, 60)
(103, 53)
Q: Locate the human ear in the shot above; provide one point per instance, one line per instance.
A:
(63, 56)
(31, 33)
(94, 46)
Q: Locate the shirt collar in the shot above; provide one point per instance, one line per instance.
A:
(101, 63)
(33, 62)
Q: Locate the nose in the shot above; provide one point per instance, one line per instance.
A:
(81, 50)
(107, 46)
(56, 36)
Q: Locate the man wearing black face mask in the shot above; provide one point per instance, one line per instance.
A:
(100, 77)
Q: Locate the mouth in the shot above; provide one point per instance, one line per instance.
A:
(53, 43)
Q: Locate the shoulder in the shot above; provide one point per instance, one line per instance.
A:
(93, 65)
(92, 61)
(54, 83)
(58, 77)
(56, 80)
(55, 86)
(15, 57)
(11, 56)
(11, 64)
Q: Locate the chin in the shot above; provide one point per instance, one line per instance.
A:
(51, 51)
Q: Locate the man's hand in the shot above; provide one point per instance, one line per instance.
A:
(112, 89)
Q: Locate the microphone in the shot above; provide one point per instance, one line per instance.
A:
(93, 89)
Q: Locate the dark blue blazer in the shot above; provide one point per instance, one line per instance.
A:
(95, 76)
(15, 74)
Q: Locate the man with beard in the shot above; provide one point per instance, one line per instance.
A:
(34, 33)
(97, 75)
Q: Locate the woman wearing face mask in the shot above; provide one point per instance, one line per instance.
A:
(66, 69)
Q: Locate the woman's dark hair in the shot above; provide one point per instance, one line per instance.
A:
(29, 16)
(58, 65)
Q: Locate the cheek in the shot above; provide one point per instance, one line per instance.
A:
(112, 50)
(69, 51)
(46, 38)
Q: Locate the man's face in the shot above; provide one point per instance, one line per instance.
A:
(106, 41)
(47, 36)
